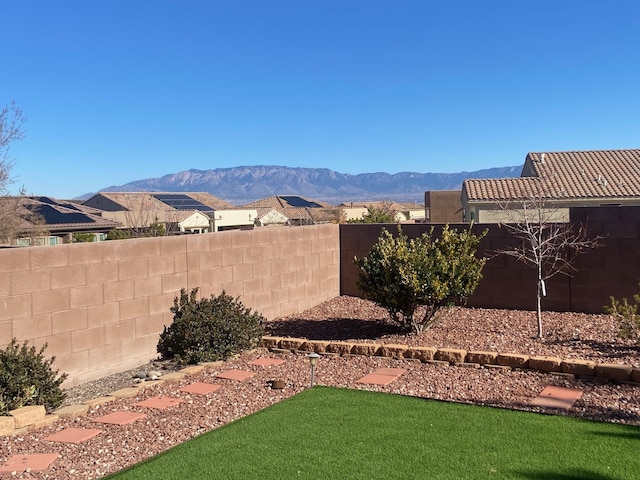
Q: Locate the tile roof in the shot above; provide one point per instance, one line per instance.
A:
(288, 201)
(295, 207)
(605, 174)
(57, 215)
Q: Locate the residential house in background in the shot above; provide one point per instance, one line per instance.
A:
(270, 217)
(404, 212)
(563, 179)
(443, 206)
(299, 210)
(188, 212)
(43, 221)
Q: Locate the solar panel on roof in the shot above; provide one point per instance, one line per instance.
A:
(180, 201)
(53, 216)
(296, 201)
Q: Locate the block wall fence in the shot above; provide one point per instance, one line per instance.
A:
(101, 306)
(611, 269)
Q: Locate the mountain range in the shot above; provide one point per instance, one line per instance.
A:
(241, 185)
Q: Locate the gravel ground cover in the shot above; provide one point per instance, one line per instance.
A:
(568, 335)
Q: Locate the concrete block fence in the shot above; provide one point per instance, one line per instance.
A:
(101, 306)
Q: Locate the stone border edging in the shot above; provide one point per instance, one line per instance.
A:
(461, 357)
(33, 417)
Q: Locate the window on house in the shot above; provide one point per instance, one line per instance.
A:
(23, 242)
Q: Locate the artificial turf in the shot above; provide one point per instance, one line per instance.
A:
(333, 433)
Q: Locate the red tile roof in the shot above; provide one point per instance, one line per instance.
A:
(606, 174)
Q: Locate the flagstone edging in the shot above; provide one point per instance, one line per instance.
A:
(459, 357)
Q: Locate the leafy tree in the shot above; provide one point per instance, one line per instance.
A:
(377, 214)
(82, 237)
(402, 275)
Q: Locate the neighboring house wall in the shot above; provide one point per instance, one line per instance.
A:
(443, 206)
(101, 306)
(236, 218)
(612, 269)
(492, 215)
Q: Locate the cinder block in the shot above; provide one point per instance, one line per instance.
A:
(451, 355)
(580, 368)
(482, 357)
(46, 421)
(368, 349)
(318, 346)
(271, 342)
(27, 415)
(424, 354)
(173, 377)
(72, 411)
(513, 360)
(7, 425)
(125, 392)
(545, 364)
(393, 350)
(292, 343)
(192, 369)
(613, 371)
(342, 348)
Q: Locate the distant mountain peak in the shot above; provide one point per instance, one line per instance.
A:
(245, 184)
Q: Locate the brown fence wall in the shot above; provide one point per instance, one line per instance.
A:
(611, 269)
(101, 306)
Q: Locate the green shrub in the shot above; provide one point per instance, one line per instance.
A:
(209, 329)
(627, 316)
(27, 378)
(401, 275)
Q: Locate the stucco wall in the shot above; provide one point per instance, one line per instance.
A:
(100, 306)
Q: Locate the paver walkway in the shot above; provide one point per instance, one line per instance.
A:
(551, 397)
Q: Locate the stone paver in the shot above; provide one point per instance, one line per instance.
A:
(267, 362)
(34, 463)
(557, 397)
(382, 376)
(120, 418)
(235, 375)
(200, 388)
(159, 403)
(74, 435)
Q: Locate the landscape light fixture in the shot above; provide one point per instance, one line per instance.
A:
(313, 358)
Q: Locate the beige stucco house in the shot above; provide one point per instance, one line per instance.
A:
(556, 181)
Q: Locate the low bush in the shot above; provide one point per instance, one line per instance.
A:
(627, 316)
(209, 329)
(28, 378)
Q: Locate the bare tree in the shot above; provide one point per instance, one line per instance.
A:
(11, 122)
(548, 241)
(11, 129)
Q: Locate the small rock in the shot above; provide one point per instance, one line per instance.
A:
(141, 375)
(154, 373)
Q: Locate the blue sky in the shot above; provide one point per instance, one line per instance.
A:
(122, 90)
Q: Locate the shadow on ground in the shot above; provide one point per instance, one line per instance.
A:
(330, 329)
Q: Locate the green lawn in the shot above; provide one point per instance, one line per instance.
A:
(351, 434)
